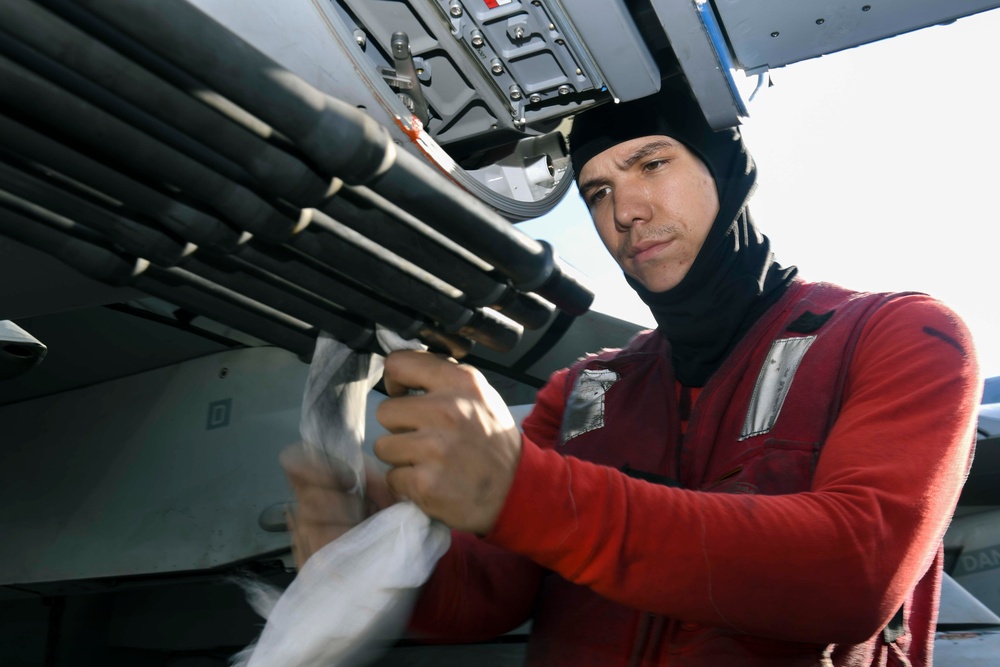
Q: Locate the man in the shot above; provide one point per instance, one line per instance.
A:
(763, 480)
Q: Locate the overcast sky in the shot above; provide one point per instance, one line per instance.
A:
(879, 169)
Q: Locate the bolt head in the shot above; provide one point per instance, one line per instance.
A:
(455, 10)
(564, 90)
(515, 95)
(496, 68)
(478, 41)
(519, 32)
(535, 98)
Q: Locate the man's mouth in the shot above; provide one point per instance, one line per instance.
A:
(647, 248)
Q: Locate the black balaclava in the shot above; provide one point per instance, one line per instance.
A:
(734, 278)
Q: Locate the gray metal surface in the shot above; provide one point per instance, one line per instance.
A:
(975, 532)
(967, 649)
(699, 61)
(340, 55)
(609, 35)
(959, 608)
(173, 479)
(779, 32)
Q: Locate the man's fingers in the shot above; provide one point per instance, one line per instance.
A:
(407, 449)
(404, 413)
(416, 369)
(377, 490)
(309, 466)
(404, 484)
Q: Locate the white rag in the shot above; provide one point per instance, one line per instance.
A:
(353, 596)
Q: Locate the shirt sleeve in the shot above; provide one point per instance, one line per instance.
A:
(829, 565)
(477, 590)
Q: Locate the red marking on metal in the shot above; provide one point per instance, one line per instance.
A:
(414, 131)
(492, 4)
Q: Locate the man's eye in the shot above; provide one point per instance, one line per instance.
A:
(652, 165)
(597, 195)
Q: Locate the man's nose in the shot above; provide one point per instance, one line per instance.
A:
(632, 207)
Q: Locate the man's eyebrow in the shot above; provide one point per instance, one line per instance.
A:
(643, 151)
(646, 150)
(590, 184)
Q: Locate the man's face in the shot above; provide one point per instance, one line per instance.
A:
(653, 202)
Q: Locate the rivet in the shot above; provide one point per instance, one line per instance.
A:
(552, 26)
(820, 21)
(775, 33)
(866, 8)
(579, 72)
(559, 42)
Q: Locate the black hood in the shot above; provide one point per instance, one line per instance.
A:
(734, 278)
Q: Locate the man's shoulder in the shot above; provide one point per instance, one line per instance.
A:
(893, 319)
(830, 296)
(648, 341)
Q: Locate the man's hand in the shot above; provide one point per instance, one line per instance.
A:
(325, 509)
(454, 448)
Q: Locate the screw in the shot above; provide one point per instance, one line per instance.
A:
(559, 42)
(477, 40)
(579, 72)
(496, 66)
(820, 21)
(552, 26)
(360, 38)
(564, 90)
(519, 123)
(866, 8)
(775, 33)
(535, 98)
(455, 9)
(223, 372)
(515, 92)
(518, 32)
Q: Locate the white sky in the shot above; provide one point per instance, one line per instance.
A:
(879, 169)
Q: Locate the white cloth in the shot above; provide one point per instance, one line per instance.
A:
(354, 595)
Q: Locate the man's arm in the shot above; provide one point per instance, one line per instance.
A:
(479, 591)
(830, 565)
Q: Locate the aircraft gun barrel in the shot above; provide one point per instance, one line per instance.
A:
(341, 140)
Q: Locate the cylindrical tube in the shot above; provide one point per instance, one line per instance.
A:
(275, 171)
(106, 135)
(341, 140)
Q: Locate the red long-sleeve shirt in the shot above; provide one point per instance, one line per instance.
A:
(858, 541)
